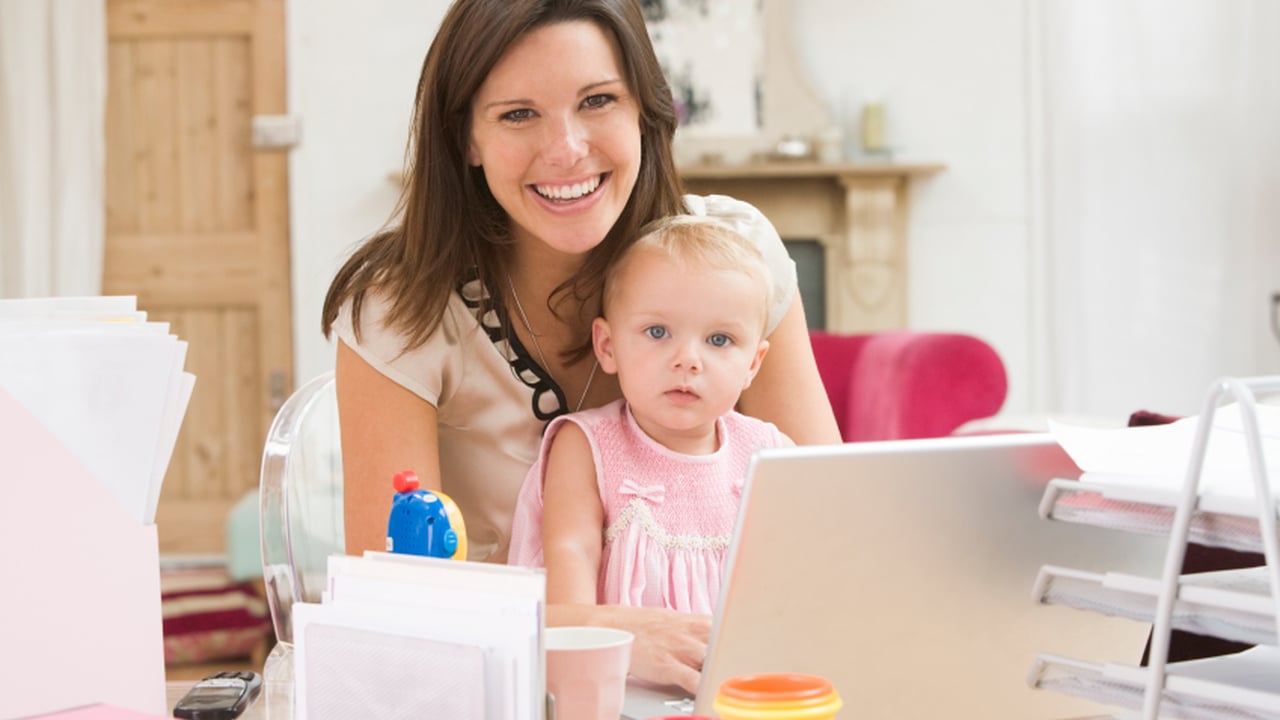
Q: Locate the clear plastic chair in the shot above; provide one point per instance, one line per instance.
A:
(300, 511)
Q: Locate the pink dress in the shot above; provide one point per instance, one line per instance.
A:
(668, 516)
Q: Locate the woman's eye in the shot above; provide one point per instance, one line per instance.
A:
(720, 340)
(517, 115)
(597, 101)
(657, 332)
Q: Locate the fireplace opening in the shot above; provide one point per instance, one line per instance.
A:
(810, 260)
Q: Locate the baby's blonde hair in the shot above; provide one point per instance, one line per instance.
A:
(698, 241)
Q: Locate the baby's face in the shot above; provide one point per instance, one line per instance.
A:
(684, 342)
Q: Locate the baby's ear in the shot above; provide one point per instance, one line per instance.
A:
(761, 349)
(602, 343)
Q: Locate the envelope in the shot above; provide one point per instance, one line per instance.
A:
(421, 637)
(80, 615)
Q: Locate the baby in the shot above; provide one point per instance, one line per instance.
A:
(634, 503)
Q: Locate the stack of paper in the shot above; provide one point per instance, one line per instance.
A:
(108, 383)
(91, 399)
(1230, 687)
(1157, 457)
(409, 636)
(1218, 521)
(1230, 604)
(1133, 478)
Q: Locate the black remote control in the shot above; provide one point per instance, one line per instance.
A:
(219, 697)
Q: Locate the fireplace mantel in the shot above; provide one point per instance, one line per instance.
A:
(857, 211)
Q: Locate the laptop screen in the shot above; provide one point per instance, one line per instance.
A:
(903, 572)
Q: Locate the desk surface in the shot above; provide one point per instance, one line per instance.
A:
(276, 695)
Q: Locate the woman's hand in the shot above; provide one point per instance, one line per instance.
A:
(669, 645)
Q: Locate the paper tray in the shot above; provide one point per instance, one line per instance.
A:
(1194, 690)
(1218, 521)
(1231, 604)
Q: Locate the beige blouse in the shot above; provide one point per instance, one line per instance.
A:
(493, 401)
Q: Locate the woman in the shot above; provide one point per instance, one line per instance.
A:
(541, 144)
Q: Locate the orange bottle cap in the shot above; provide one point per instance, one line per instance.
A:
(774, 687)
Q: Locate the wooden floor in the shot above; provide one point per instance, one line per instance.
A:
(175, 673)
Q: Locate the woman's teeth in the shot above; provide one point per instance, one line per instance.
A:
(568, 192)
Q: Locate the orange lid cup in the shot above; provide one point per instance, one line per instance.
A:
(773, 696)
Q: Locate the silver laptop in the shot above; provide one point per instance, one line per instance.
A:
(903, 573)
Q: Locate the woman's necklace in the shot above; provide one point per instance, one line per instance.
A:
(537, 346)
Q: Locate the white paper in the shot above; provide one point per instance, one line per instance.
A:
(98, 307)
(1241, 685)
(108, 384)
(496, 608)
(1157, 456)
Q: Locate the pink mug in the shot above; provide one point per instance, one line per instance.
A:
(587, 671)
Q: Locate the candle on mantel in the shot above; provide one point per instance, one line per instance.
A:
(873, 127)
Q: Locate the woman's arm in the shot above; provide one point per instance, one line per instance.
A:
(572, 519)
(788, 391)
(385, 429)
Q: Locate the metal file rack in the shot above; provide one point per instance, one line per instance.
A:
(1237, 605)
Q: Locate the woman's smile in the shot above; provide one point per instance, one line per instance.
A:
(565, 193)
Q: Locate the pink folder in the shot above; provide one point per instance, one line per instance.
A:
(79, 583)
(99, 712)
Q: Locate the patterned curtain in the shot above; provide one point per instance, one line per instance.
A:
(53, 70)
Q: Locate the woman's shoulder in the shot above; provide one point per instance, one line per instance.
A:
(420, 366)
(374, 325)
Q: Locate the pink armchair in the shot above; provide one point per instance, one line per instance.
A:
(898, 385)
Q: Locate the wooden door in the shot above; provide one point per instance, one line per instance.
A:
(197, 229)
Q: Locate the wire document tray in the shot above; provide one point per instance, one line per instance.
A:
(1238, 605)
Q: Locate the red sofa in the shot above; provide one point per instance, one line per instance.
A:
(908, 384)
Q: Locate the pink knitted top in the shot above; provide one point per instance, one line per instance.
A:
(668, 516)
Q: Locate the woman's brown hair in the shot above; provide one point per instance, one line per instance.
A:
(449, 223)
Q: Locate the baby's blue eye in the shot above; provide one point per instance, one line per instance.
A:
(657, 332)
(719, 340)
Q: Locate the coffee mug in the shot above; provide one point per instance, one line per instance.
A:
(587, 671)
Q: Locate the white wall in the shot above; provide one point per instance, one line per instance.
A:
(353, 68)
(954, 79)
(1160, 142)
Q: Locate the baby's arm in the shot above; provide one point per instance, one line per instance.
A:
(572, 519)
